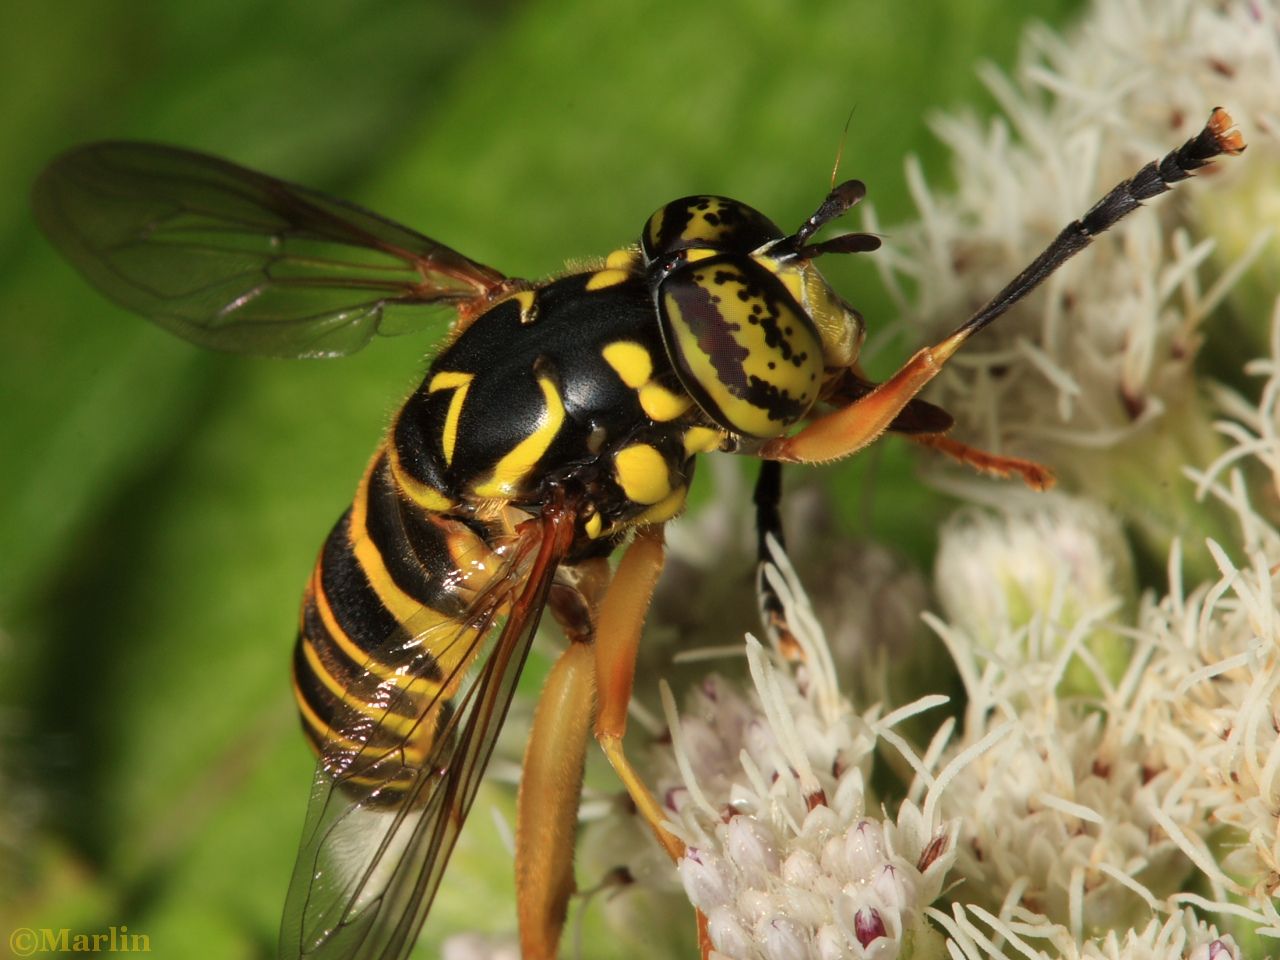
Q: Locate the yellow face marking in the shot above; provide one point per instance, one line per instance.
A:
(790, 276)
(593, 526)
(642, 473)
(840, 327)
(699, 253)
(666, 508)
(661, 404)
(515, 466)
(427, 497)
(458, 383)
(839, 324)
(630, 361)
(607, 278)
(702, 440)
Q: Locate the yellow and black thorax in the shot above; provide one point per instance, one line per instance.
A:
(611, 381)
(599, 387)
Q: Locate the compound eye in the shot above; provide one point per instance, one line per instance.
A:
(715, 223)
(742, 347)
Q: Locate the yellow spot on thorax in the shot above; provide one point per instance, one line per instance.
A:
(666, 508)
(661, 404)
(603, 279)
(642, 473)
(526, 300)
(702, 440)
(630, 361)
(628, 259)
(634, 366)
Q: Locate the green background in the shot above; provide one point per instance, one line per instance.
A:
(160, 507)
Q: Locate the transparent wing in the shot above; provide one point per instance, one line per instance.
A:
(237, 260)
(383, 820)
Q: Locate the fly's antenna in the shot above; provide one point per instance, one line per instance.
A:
(844, 136)
(836, 204)
(1218, 137)
(838, 201)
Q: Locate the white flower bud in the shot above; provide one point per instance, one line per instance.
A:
(1019, 581)
(780, 938)
(703, 882)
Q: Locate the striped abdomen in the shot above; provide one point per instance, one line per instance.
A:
(389, 625)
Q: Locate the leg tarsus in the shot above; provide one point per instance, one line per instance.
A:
(645, 803)
(618, 631)
(1034, 475)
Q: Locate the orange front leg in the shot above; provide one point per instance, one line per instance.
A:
(849, 429)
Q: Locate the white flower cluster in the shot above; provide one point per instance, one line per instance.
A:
(785, 861)
(1228, 634)
(1162, 787)
(1083, 373)
(1057, 560)
(1114, 781)
(1211, 693)
(1119, 761)
(1181, 937)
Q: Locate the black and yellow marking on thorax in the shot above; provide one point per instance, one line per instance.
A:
(509, 406)
(698, 440)
(458, 382)
(421, 493)
(653, 475)
(608, 277)
(513, 471)
(634, 365)
(642, 473)
(528, 303)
